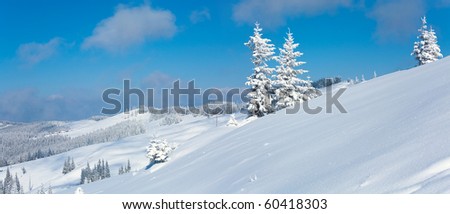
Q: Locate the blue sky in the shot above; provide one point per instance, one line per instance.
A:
(57, 57)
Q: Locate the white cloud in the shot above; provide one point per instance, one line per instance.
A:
(157, 80)
(33, 53)
(198, 16)
(131, 26)
(273, 13)
(27, 105)
(398, 18)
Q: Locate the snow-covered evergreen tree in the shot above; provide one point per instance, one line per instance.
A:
(232, 121)
(72, 165)
(99, 172)
(101, 169)
(107, 171)
(14, 189)
(288, 87)
(41, 190)
(30, 185)
(121, 171)
(8, 183)
(426, 50)
(86, 174)
(260, 83)
(128, 169)
(19, 188)
(65, 167)
(2, 191)
(374, 74)
(158, 151)
(69, 165)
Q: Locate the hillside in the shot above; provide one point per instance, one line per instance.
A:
(394, 139)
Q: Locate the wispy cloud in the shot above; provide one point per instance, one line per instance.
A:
(198, 16)
(27, 105)
(397, 19)
(131, 26)
(273, 13)
(157, 80)
(33, 53)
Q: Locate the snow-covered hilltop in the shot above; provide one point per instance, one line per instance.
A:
(394, 139)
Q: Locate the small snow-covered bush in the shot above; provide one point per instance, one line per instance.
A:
(232, 121)
(79, 190)
(170, 118)
(155, 117)
(158, 151)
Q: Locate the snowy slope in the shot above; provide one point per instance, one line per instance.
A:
(78, 128)
(394, 139)
(48, 171)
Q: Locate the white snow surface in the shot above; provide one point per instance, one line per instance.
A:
(395, 138)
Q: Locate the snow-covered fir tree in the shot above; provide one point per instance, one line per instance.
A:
(158, 151)
(128, 169)
(50, 189)
(121, 170)
(260, 83)
(72, 165)
(426, 50)
(8, 183)
(288, 87)
(107, 170)
(69, 165)
(1, 187)
(99, 172)
(41, 190)
(19, 188)
(85, 174)
(30, 185)
(232, 121)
